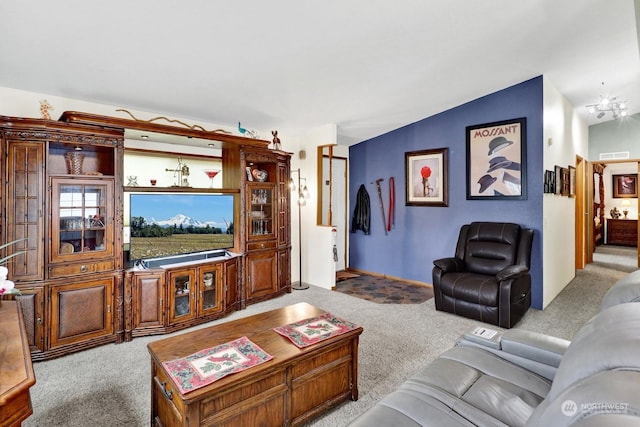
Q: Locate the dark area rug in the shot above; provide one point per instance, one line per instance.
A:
(382, 290)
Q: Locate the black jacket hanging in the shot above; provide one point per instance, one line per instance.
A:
(362, 213)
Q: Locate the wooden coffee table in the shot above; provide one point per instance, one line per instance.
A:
(290, 389)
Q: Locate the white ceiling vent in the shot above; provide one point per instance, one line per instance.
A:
(614, 156)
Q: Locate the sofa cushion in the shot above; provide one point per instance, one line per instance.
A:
(469, 384)
(624, 290)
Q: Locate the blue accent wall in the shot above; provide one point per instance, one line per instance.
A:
(423, 234)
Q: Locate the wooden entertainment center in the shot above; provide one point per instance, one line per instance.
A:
(64, 198)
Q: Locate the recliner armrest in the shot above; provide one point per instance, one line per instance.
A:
(449, 265)
(533, 351)
(535, 346)
(512, 272)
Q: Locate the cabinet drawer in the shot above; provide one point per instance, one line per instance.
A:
(56, 271)
(256, 246)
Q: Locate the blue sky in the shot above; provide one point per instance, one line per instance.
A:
(202, 207)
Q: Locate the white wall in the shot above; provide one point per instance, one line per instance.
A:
(565, 136)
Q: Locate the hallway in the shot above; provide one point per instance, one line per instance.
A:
(622, 258)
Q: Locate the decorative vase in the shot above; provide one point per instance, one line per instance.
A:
(74, 162)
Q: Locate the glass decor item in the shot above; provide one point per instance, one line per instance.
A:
(211, 173)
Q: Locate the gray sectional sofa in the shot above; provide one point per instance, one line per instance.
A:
(522, 378)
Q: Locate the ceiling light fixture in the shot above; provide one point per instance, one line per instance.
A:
(608, 104)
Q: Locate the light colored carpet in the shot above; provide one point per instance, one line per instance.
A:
(110, 385)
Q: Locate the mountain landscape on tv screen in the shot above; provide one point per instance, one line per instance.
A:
(184, 220)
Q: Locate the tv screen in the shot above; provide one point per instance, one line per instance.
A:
(163, 225)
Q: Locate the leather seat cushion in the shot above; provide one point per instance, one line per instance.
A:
(464, 386)
(475, 288)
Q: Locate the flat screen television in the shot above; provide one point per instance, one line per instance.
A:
(170, 224)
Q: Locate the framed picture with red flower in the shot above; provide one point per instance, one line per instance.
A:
(497, 161)
(427, 177)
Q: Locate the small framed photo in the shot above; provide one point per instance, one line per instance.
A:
(249, 174)
(558, 174)
(564, 190)
(496, 160)
(427, 177)
(625, 186)
(572, 181)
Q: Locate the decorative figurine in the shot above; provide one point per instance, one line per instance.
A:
(276, 140)
(615, 213)
(247, 132)
(44, 109)
(181, 173)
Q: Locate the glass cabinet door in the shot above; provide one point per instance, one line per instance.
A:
(210, 292)
(181, 298)
(80, 225)
(261, 211)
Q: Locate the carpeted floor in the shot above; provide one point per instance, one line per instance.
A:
(111, 386)
(381, 290)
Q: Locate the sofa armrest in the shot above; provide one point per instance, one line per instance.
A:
(449, 265)
(534, 346)
(533, 351)
(512, 272)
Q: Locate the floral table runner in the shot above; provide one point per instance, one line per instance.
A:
(209, 365)
(310, 331)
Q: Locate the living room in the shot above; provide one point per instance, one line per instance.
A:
(556, 132)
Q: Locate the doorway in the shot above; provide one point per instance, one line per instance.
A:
(332, 208)
(613, 216)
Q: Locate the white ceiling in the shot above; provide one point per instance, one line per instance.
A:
(368, 66)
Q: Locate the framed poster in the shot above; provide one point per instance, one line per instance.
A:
(496, 160)
(427, 177)
(625, 186)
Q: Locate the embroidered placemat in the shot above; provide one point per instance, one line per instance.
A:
(310, 331)
(209, 365)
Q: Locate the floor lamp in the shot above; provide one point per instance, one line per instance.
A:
(303, 195)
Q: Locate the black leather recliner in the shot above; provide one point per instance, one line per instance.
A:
(488, 279)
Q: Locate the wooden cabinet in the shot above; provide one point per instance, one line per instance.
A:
(32, 303)
(267, 245)
(26, 211)
(64, 201)
(81, 312)
(147, 299)
(62, 198)
(82, 221)
(195, 292)
(622, 232)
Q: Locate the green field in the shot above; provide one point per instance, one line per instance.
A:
(151, 247)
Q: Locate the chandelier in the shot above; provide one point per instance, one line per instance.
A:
(608, 104)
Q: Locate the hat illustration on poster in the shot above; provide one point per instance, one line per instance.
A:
(502, 162)
(498, 144)
(485, 182)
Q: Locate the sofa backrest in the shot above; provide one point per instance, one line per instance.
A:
(488, 247)
(599, 372)
(624, 290)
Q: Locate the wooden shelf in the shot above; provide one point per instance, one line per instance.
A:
(181, 190)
